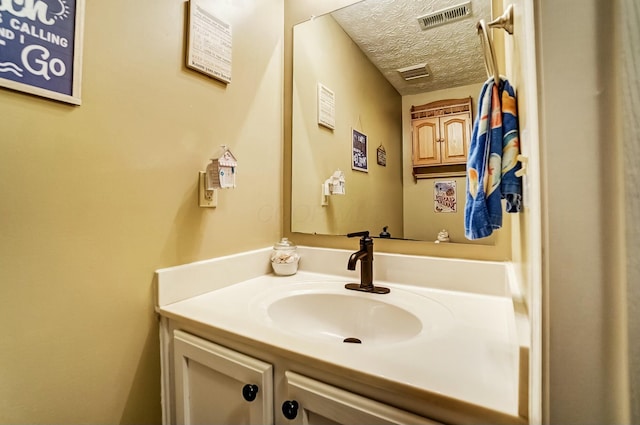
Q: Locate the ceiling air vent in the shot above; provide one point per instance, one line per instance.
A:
(413, 72)
(444, 16)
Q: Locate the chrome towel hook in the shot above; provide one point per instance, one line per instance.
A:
(505, 21)
(489, 53)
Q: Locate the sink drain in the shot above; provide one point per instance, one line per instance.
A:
(352, 340)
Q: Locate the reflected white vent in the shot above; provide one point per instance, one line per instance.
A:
(415, 71)
(444, 16)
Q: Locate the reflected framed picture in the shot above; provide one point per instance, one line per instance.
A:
(326, 107)
(445, 199)
(359, 151)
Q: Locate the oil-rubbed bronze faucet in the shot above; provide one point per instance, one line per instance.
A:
(365, 256)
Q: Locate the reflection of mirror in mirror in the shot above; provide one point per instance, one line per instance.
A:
(354, 54)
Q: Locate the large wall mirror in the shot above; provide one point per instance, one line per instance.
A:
(350, 98)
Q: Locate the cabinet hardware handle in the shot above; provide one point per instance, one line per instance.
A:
(290, 409)
(250, 392)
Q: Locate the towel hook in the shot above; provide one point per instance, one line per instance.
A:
(505, 21)
(491, 65)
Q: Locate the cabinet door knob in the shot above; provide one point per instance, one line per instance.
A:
(250, 392)
(290, 409)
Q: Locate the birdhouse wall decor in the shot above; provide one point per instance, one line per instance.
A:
(221, 171)
(334, 185)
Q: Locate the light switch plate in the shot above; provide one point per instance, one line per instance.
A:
(206, 198)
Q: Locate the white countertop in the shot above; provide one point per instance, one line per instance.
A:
(473, 359)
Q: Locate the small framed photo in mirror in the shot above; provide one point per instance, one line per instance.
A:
(359, 151)
(326, 107)
(382, 156)
(445, 199)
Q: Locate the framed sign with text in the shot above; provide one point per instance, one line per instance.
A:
(326, 107)
(358, 151)
(41, 47)
(209, 43)
(445, 199)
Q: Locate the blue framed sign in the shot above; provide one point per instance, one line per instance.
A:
(41, 47)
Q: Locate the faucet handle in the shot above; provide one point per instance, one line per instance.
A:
(365, 240)
(364, 234)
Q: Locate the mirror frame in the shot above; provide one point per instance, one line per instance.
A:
(299, 11)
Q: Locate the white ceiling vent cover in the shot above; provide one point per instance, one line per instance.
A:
(444, 16)
(413, 72)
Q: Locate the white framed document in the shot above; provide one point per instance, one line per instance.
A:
(209, 43)
(326, 107)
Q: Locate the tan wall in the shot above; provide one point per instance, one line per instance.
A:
(420, 219)
(423, 223)
(365, 101)
(95, 198)
(586, 364)
(628, 153)
(520, 70)
(526, 242)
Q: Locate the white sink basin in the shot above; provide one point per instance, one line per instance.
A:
(328, 312)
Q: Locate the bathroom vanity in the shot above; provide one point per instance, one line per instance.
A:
(241, 345)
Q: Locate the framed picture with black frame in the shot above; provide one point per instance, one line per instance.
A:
(359, 151)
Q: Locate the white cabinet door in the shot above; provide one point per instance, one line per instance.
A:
(312, 402)
(216, 385)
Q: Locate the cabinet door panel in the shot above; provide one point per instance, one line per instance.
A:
(209, 381)
(320, 403)
(426, 145)
(456, 136)
(213, 397)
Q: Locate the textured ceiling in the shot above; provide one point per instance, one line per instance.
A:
(388, 32)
